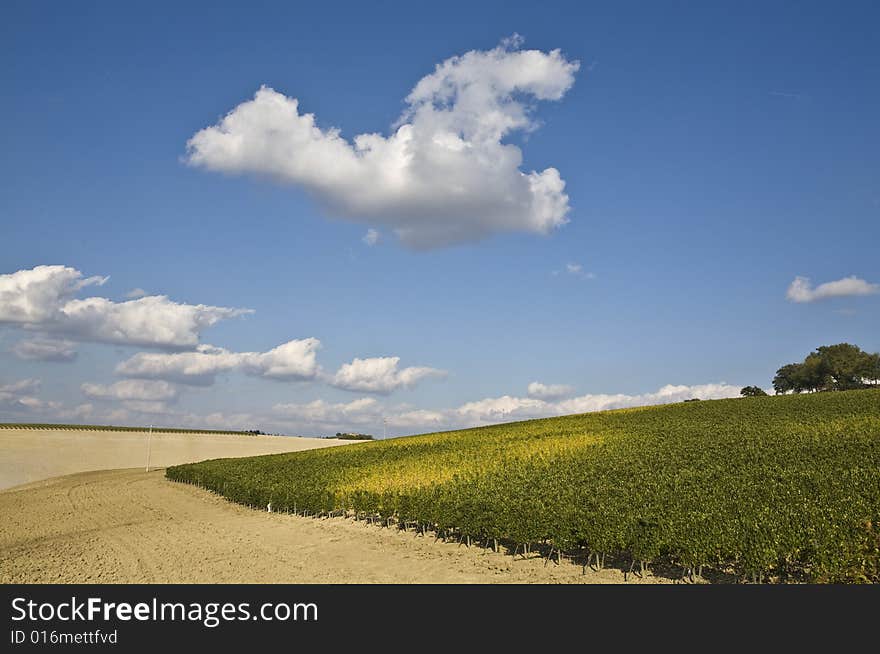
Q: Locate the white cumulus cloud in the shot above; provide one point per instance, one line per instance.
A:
(801, 290)
(541, 391)
(43, 298)
(294, 360)
(444, 175)
(380, 375)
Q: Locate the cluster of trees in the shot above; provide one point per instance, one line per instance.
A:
(829, 368)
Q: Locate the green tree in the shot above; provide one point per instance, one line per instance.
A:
(874, 370)
(845, 366)
(788, 379)
(752, 391)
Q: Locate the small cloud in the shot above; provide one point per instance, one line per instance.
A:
(380, 375)
(801, 290)
(539, 391)
(45, 349)
(576, 270)
(357, 412)
(512, 42)
(131, 390)
(20, 397)
(371, 237)
(790, 96)
(135, 293)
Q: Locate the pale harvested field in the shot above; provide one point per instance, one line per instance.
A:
(28, 455)
(123, 526)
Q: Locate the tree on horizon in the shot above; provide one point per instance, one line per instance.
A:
(837, 367)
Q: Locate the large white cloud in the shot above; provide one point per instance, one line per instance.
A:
(43, 298)
(801, 290)
(443, 176)
(45, 349)
(294, 360)
(380, 375)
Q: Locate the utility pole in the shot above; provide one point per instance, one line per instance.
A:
(384, 428)
(149, 447)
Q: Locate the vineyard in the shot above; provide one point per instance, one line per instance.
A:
(780, 488)
(167, 430)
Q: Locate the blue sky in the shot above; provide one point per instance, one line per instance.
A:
(710, 154)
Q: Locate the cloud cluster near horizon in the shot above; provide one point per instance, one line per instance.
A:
(802, 291)
(43, 300)
(368, 412)
(443, 176)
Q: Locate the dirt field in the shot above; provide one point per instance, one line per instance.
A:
(132, 526)
(29, 455)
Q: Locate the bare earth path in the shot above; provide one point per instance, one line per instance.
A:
(130, 526)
